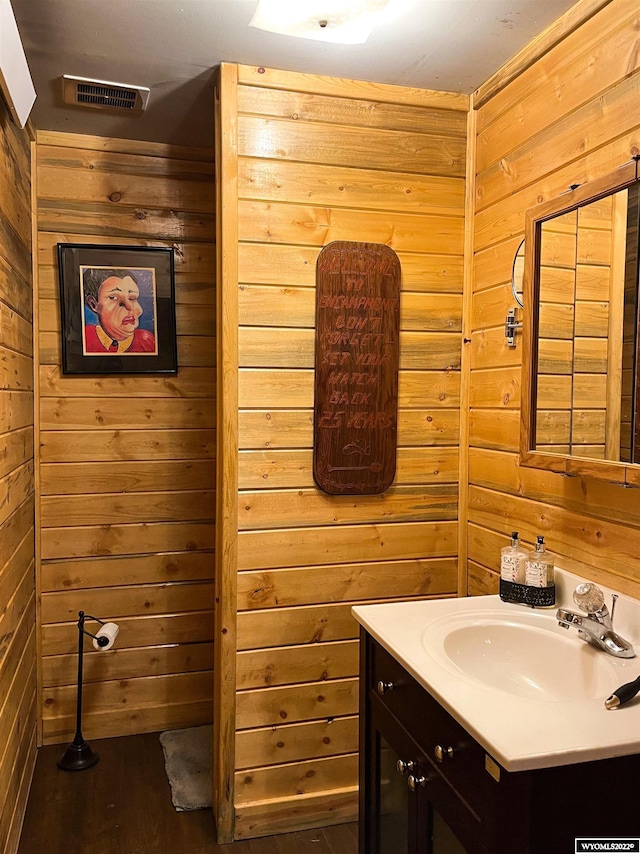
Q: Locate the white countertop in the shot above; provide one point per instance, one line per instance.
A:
(520, 732)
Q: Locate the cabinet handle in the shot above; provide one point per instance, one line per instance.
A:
(440, 752)
(414, 782)
(403, 766)
(384, 687)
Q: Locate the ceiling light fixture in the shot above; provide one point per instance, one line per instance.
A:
(336, 21)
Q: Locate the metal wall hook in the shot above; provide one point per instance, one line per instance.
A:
(510, 327)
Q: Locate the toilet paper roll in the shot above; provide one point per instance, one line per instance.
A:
(106, 636)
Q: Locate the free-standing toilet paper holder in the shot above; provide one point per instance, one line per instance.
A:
(79, 755)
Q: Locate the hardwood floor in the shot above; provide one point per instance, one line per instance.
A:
(123, 806)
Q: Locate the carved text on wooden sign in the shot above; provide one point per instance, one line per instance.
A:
(356, 368)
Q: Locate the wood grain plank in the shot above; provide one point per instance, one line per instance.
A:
(102, 699)
(270, 706)
(297, 778)
(116, 508)
(494, 428)
(108, 539)
(72, 413)
(280, 264)
(273, 180)
(67, 478)
(289, 468)
(287, 428)
(298, 663)
(195, 258)
(313, 107)
(101, 572)
(15, 291)
(191, 382)
(260, 347)
(272, 588)
(316, 810)
(128, 663)
(75, 174)
(61, 606)
(16, 489)
(294, 388)
(16, 371)
(262, 549)
(295, 742)
(343, 88)
(277, 509)
(317, 226)
(16, 449)
(123, 220)
(386, 150)
(125, 720)
(105, 445)
(265, 305)
(15, 331)
(15, 528)
(124, 146)
(138, 631)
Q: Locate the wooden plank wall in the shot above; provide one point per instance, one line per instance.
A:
(567, 119)
(127, 463)
(17, 577)
(321, 160)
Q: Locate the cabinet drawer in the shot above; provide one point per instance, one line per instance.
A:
(458, 757)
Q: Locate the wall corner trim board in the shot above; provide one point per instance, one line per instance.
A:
(225, 631)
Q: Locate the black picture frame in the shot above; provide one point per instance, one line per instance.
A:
(117, 307)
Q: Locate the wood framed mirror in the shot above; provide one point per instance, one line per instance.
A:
(581, 335)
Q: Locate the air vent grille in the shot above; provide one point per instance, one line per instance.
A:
(104, 95)
(122, 99)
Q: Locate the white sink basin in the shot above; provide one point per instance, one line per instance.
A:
(528, 656)
(529, 691)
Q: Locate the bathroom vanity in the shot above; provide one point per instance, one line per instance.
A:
(453, 764)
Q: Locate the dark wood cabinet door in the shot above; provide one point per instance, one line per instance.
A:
(409, 808)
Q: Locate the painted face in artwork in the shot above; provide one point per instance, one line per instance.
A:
(118, 307)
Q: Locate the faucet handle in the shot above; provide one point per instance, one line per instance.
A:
(589, 597)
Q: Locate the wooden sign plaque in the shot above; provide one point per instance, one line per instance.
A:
(356, 368)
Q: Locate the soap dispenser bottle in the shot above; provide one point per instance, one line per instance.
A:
(539, 566)
(512, 561)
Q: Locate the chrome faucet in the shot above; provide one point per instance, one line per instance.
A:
(597, 626)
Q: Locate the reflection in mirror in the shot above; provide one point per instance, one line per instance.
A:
(580, 330)
(585, 394)
(517, 275)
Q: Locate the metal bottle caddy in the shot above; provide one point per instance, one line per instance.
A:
(524, 594)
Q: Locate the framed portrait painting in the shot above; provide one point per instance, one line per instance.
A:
(117, 308)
